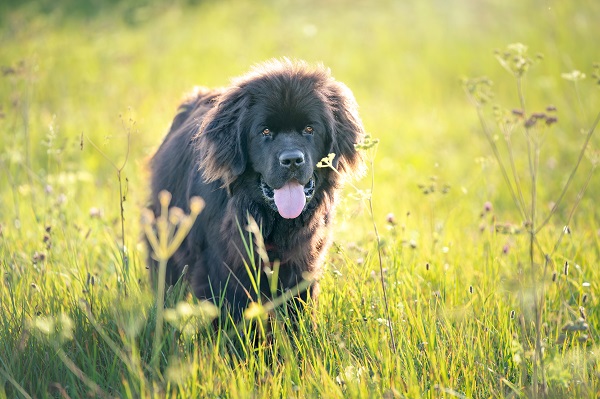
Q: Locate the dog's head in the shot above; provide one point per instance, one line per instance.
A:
(275, 124)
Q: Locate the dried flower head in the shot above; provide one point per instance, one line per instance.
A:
(164, 197)
(96, 213)
(488, 207)
(390, 219)
(196, 205)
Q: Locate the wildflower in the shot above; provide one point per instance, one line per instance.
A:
(487, 206)
(96, 213)
(38, 257)
(350, 374)
(530, 122)
(383, 322)
(573, 76)
(390, 219)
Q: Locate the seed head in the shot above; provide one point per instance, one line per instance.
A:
(164, 197)
(487, 207)
(147, 217)
(568, 326)
(391, 219)
(38, 257)
(96, 213)
(176, 215)
(530, 122)
(196, 205)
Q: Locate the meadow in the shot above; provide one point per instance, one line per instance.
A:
(483, 279)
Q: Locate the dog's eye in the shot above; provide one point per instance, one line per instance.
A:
(309, 130)
(266, 132)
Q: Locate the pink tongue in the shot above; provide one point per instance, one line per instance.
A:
(290, 200)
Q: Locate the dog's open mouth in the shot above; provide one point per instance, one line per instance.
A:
(291, 199)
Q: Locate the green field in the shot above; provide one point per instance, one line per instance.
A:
(491, 290)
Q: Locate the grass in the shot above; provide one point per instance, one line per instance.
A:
(472, 312)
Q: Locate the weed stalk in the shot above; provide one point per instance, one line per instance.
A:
(165, 234)
(327, 162)
(516, 61)
(122, 199)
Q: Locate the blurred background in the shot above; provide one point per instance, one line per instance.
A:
(81, 72)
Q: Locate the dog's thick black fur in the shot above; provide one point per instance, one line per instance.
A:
(251, 150)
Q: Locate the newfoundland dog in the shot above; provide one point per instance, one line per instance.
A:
(251, 151)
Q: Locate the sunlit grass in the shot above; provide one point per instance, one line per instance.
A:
(453, 247)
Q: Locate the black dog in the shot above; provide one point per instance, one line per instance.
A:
(251, 150)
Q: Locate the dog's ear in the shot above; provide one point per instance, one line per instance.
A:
(221, 139)
(347, 129)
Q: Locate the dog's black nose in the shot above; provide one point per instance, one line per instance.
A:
(291, 159)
